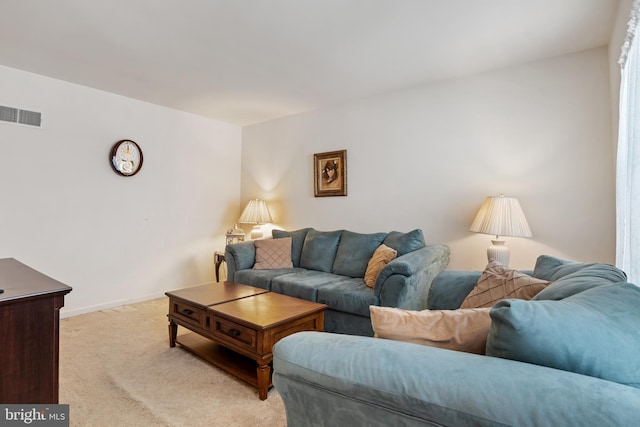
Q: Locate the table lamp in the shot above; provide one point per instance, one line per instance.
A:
(500, 216)
(256, 212)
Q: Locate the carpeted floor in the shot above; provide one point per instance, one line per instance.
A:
(116, 368)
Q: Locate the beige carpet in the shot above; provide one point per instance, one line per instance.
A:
(116, 368)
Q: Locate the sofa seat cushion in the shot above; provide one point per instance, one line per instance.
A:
(355, 251)
(350, 295)
(595, 332)
(261, 278)
(319, 250)
(304, 284)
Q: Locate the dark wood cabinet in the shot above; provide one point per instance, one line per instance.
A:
(29, 334)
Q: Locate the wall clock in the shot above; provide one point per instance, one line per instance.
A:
(126, 157)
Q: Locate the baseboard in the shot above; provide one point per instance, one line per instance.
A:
(113, 304)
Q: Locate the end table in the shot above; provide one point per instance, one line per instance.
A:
(218, 258)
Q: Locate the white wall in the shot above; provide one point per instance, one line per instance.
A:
(113, 239)
(428, 156)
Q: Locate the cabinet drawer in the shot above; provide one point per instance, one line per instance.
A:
(230, 332)
(187, 313)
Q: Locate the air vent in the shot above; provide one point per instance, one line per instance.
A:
(8, 114)
(22, 117)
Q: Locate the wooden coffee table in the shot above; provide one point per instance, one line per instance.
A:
(236, 326)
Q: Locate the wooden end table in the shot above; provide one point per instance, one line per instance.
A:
(218, 259)
(238, 333)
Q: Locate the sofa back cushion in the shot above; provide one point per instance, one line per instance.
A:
(551, 268)
(595, 332)
(354, 252)
(405, 242)
(319, 250)
(297, 241)
(570, 278)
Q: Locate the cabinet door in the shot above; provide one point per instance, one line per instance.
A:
(29, 356)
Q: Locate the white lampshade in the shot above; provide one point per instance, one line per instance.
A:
(256, 212)
(500, 216)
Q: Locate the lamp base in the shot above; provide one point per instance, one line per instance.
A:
(256, 232)
(499, 252)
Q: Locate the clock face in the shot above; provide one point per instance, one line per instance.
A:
(126, 157)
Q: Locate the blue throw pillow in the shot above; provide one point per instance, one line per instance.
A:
(355, 251)
(405, 242)
(297, 241)
(548, 266)
(589, 276)
(595, 332)
(569, 277)
(319, 250)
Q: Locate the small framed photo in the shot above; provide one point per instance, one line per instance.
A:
(330, 173)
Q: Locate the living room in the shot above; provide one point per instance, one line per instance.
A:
(424, 156)
(118, 240)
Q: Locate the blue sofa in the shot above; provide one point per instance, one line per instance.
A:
(569, 357)
(329, 266)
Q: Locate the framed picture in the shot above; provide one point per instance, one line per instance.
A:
(330, 173)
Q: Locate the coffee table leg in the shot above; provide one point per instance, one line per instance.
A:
(264, 372)
(173, 333)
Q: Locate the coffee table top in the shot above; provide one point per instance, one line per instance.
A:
(266, 310)
(215, 293)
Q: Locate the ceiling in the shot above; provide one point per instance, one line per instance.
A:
(248, 61)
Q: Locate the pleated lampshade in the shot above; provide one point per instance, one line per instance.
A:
(256, 212)
(500, 216)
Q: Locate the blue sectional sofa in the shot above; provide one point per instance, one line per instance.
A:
(329, 266)
(568, 357)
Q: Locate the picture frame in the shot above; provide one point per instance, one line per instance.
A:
(330, 173)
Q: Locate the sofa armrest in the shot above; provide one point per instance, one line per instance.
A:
(239, 256)
(340, 380)
(406, 280)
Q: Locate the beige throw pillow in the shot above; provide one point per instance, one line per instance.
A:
(499, 282)
(381, 257)
(461, 330)
(273, 253)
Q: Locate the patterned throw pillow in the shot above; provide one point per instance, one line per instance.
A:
(460, 330)
(499, 282)
(297, 240)
(381, 257)
(273, 253)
